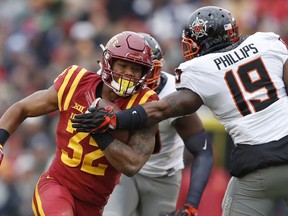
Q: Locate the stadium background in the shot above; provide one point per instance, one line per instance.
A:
(40, 38)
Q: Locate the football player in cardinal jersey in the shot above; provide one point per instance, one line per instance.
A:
(87, 166)
(155, 188)
(242, 80)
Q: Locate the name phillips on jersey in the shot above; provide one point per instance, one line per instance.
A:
(232, 58)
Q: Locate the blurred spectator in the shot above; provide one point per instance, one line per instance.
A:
(10, 197)
(83, 34)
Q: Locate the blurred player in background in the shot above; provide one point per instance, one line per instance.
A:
(156, 187)
(86, 166)
(243, 80)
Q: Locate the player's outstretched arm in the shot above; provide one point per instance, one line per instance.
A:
(180, 103)
(36, 104)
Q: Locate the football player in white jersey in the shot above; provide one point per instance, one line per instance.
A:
(243, 80)
(155, 188)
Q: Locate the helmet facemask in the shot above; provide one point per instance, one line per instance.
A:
(123, 84)
(153, 80)
(189, 48)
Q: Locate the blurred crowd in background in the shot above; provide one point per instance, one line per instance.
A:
(40, 38)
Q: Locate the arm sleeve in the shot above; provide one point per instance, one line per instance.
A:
(201, 147)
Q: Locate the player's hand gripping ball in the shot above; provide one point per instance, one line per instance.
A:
(120, 134)
(100, 118)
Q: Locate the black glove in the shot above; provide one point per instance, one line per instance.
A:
(97, 120)
(186, 210)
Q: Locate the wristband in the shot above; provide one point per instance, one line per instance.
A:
(102, 139)
(133, 118)
(4, 135)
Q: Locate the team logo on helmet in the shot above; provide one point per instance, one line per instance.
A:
(198, 28)
(115, 42)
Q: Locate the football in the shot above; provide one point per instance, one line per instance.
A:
(122, 135)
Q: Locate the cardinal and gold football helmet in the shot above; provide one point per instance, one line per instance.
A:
(132, 47)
